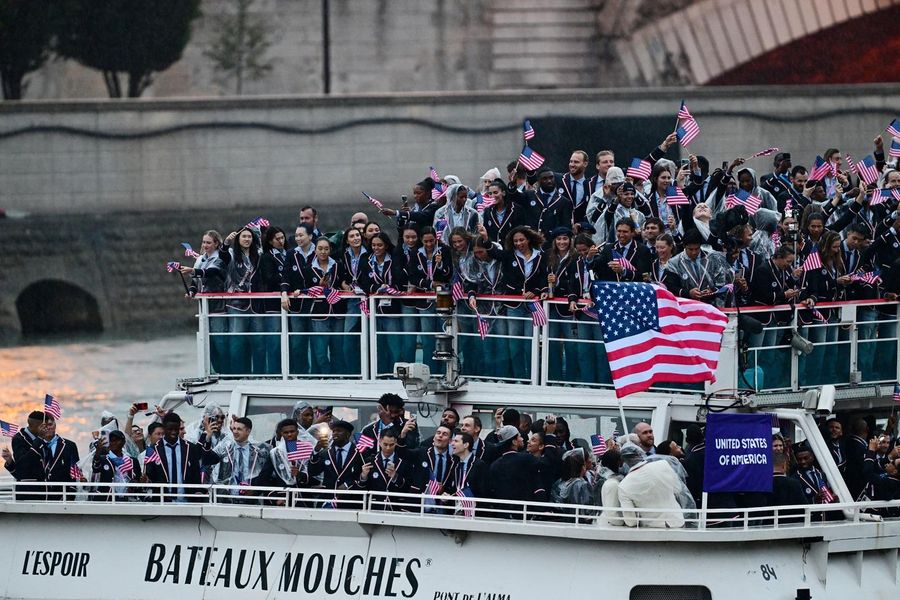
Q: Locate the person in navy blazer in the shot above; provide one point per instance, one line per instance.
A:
(188, 456)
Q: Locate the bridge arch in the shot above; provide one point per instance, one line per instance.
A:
(707, 40)
(53, 306)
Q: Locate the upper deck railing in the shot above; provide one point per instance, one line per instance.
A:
(323, 503)
(857, 343)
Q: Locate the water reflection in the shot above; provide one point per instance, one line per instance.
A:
(88, 377)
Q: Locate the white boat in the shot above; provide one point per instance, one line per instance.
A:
(77, 549)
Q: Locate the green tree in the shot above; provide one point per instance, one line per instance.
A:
(135, 38)
(26, 28)
(238, 50)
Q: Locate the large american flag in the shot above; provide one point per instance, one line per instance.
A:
(531, 159)
(675, 196)
(639, 169)
(8, 429)
(652, 336)
(52, 407)
(867, 170)
(298, 450)
(821, 170)
(745, 199)
(688, 130)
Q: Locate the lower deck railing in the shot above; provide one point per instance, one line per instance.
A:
(322, 502)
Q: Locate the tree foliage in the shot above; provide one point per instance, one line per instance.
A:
(136, 38)
(26, 28)
(238, 50)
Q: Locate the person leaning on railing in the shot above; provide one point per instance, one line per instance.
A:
(208, 275)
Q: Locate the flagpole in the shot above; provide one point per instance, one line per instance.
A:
(622, 416)
(184, 283)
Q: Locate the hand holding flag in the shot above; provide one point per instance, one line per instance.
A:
(188, 251)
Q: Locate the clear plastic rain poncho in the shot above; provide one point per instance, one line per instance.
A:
(278, 454)
(683, 495)
(109, 423)
(226, 449)
(193, 429)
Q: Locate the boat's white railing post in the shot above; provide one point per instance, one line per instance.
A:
(545, 348)
(537, 334)
(851, 311)
(897, 335)
(704, 506)
(285, 345)
(795, 356)
(372, 335)
(203, 341)
(367, 351)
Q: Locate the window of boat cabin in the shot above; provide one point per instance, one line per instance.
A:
(267, 411)
(583, 422)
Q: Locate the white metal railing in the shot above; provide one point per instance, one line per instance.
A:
(860, 344)
(322, 501)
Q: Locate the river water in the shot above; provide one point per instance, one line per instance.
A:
(89, 376)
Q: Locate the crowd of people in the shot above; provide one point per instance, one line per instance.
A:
(459, 469)
(799, 241)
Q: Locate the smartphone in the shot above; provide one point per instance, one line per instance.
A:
(140, 406)
(685, 162)
(724, 164)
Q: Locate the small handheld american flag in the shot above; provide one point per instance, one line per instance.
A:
(125, 467)
(821, 169)
(466, 504)
(332, 295)
(688, 130)
(457, 290)
(376, 203)
(639, 169)
(538, 316)
(817, 315)
(896, 393)
(745, 199)
(364, 443)
(52, 407)
(894, 128)
(433, 488)
(531, 159)
(813, 260)
(173, 266)
(675, 196)
(766, 152)
(867, 170)
(75, 472)
(298, 450)
(152, 456)
(485, 203)
(598, 445)
(825, 495)
(870, 277)
(894, 150)
(189, 251)
(8, 429)
(483, 326)
(528, 132)
(622, 261)
(258, 223)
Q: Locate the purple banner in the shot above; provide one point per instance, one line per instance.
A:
(738, 453)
